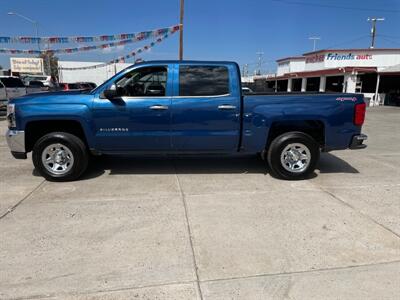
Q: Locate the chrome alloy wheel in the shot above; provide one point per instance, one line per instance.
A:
(295, 157)
(57, 159)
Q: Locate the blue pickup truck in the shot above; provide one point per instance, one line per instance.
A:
(181, 107)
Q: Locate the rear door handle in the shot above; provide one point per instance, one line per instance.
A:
(159, 107)
(226, 107)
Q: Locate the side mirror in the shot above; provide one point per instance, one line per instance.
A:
(111, 93)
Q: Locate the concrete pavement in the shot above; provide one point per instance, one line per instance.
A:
(209, 228)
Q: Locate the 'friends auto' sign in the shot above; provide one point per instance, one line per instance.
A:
(332, 56)
(349, 56)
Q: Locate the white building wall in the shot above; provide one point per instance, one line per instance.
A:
(291, 65)
(297, 65)
(282, 68)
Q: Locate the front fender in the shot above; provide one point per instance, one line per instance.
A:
(57, 112)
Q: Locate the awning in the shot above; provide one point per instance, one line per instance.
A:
(392, 70)
(325, 72)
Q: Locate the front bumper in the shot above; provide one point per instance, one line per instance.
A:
(16, 143)
(357, 142)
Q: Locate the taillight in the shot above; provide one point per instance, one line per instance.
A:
(359, 114)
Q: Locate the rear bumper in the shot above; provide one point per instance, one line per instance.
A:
(16, 143)
(357, 142)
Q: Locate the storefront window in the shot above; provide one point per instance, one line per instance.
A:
(282, 85)
(313, 84)
(334, 84)
(367, 83)
(296, 84)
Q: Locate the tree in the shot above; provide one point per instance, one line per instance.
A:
(50, 62)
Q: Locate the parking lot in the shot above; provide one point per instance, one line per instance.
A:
(209, 228)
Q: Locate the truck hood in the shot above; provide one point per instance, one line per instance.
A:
(54, 98)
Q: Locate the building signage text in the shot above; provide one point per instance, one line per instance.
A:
(349, 56)
(314, 59)
(331, 56)
(26, 65)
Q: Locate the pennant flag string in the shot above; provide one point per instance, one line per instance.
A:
(122, 59)
(139, 37)
(86, 39)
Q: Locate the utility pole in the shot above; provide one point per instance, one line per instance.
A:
(182, 6)
(245, 70)
(373, 29)
(260, 55)
(314, 39)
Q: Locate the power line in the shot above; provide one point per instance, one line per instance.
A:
(260, 55)
(348, 41)
(337, 6)
(389, 40)
(389, 36)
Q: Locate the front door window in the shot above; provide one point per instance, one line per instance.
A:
(143, 82)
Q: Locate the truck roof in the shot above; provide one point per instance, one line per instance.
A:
(176, 61)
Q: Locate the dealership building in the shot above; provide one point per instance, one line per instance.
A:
(372, 72)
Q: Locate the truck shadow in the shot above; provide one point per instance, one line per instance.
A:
(120, 165)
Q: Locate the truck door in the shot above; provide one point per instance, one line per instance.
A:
(205, 114)
(139, 119)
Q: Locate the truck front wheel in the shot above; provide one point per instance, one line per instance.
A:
(293, 156)
(60, 156)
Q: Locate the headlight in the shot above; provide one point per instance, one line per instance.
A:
(11, 116)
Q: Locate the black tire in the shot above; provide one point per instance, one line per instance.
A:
(278, 145)
(74, 144)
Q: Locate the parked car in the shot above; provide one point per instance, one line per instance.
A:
(36, 87)
(86, 86)
(182, 107)
(3, 97)
(247, 90)
(92, 84)
(10, 87)
(46, 80)
(70, 86)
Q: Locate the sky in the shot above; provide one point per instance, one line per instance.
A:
(213, 29)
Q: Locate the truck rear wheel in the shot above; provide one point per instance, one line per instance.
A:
(293, 156)
(60, 156)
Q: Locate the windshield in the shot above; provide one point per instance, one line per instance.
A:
(29, 78)
(36, 83)
(12, 82)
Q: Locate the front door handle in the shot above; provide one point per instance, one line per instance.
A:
(226, 107)
(159, 107)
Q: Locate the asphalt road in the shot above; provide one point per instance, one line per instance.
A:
(206, 228)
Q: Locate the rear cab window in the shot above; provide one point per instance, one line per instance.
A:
(197, 81)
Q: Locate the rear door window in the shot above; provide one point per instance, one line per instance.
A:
(203, 80)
